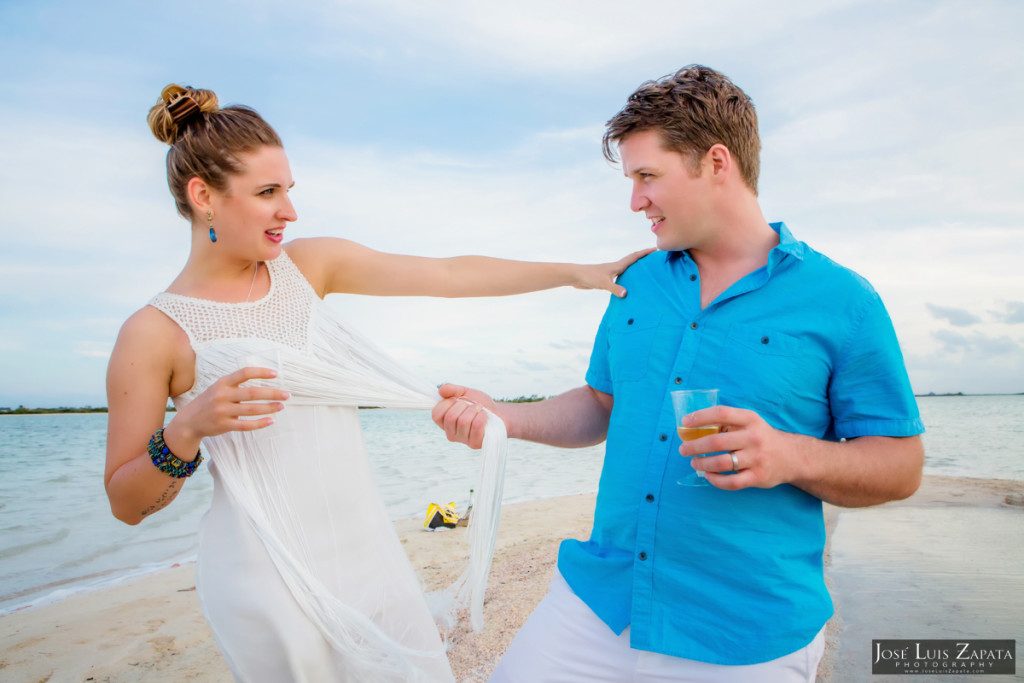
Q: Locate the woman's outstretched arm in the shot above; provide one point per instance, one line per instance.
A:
(338, 265)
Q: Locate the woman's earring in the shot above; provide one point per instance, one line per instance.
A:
(209, 217)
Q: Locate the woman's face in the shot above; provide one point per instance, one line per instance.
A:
(253, 211)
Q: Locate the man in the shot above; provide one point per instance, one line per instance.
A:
(721, 582)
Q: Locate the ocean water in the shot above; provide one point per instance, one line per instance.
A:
(58, 536)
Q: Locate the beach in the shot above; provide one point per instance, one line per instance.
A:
(151, 629)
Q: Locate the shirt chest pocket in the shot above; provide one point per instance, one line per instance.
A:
(761, 364)
(630, 339)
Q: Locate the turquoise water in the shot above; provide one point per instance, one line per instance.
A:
(974, 436)
(58, 536)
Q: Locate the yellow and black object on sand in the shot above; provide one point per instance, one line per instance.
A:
(441, 515)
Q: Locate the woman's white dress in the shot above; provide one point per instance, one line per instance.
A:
(300, 573)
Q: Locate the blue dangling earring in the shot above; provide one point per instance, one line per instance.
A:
(209, 217)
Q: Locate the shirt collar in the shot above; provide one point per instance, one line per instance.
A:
(787, 245)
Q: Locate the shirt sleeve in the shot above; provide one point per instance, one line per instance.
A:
(870, 391)
(598, 373)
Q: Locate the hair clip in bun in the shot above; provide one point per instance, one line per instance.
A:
(182, 108)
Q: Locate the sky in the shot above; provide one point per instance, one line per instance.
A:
(892, 142)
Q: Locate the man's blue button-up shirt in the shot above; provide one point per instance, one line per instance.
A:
(729, 577)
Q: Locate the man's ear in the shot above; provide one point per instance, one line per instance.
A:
(199, 194)
(719, 160)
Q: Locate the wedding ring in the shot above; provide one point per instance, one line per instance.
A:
(735, 462)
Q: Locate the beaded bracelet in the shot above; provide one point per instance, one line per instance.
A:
(167, 462)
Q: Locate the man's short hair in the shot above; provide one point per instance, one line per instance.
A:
(692, 109)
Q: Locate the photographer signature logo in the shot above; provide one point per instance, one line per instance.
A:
(961, 656)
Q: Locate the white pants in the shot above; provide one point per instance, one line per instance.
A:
(563, 641)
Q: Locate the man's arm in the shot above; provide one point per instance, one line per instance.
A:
(854, 473)
(577, 418)
(859, 472)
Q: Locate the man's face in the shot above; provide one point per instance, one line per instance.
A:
(666, 190)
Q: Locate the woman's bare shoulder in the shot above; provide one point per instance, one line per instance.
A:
(151, 334)
(149, 322)
(321, 258)
(152, 348)
(318, 250)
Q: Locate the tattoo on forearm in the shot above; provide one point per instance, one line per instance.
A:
(165, 498)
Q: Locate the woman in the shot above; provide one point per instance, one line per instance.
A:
(292, 589)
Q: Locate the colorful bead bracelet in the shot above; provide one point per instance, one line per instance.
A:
(168, 462)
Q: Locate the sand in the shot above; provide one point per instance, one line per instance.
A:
(151, 629)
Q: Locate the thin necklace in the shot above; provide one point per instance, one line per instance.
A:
(255, 270)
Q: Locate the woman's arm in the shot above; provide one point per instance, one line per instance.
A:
(338, 265)
(138, 381)
(151, 361)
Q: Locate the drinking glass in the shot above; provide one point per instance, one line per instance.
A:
(689, 401)
(271, 359)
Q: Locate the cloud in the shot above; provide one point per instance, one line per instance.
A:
(92, 349)
(969, 373)
(955, 316)
(1014, 313)
(491, 204)
(550, 40)
(461, 127)
(989, 346)
(952, 342)
(571, 345)
(533, 367)
(888, 141)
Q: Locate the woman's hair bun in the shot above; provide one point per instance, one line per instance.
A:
(177, 106)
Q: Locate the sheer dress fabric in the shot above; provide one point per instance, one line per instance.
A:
(301, 575)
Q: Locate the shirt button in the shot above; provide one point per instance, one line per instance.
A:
(642, 556)
(764, 340)
(693, 326)
(650, 498)
(679, 380)
(662, 437)
(629, 322)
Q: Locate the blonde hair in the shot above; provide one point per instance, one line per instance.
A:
(206, 141)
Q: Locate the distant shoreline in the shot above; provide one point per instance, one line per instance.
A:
(22, 410)
(960, 393)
